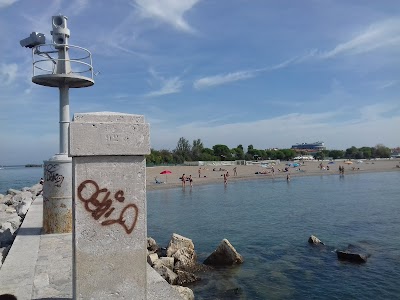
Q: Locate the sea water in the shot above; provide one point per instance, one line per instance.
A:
(17, 177)
(269, 222)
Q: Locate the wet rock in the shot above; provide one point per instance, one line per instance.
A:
(351, 256)
(166, 273)
(314, 240)
(185, 277)
(224, 255)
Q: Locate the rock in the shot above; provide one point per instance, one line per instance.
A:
(11, 210)
(225, 254)
(21, 197)
(314, 240)
(7, 200)
(185, 292)
(168, 262)
(177, 242)
(15, 222)
(3, 253)
(13, 192)
(151, 244)
(166, 273)
(185, 277)
(352, 257)
(151, 258)
(185, 258)
(23, 207)
(1, 197)
(162, 251)
(6, 235)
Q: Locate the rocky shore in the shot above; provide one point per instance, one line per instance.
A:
(13, 208)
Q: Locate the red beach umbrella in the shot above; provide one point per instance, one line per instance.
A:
(166, 172)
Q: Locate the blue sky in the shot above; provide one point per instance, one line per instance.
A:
(266, 73)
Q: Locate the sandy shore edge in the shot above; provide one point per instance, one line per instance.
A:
(310, 168)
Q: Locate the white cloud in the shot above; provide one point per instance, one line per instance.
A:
(8, 73)
(210, 81)
(5, 3)
(379, 35)
(286, 130)
(167, 11)
(168, 86)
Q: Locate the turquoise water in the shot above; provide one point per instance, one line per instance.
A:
(269, 222)
(18, 177)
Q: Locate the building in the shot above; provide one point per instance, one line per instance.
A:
(309, 147)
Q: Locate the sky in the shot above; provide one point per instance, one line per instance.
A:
(255, 72)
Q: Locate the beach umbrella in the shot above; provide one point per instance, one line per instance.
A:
(166, 172)
(296, 165)
(348, 162)
(331, 163)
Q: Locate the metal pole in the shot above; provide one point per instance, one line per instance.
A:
(64, 119)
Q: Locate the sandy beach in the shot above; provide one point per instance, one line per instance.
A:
(310, 168)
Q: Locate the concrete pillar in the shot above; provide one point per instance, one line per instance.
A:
(109, 201)
(57, 194)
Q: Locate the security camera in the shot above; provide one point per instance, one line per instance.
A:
(60, 30)
(34, 39)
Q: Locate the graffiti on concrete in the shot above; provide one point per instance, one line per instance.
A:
(51, 175)
(98, 202)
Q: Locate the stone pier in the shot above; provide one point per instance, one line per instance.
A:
(109, 205)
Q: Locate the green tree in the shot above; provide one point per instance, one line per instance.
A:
(197, 149)
(336, 154)
(182, 151)
(382, 151)
(222, 151)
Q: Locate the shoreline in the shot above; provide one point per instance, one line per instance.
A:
(248, 172)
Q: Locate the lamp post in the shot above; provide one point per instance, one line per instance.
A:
(52, 68)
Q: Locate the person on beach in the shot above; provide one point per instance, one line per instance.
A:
(183, 178)
(226, 178)
(199, 172)
(273, 171)
(235, 171)
(288, 177)
(190, 180)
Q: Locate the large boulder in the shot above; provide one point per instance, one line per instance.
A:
(185, 292)
(314, 240)
(185, 258)
(166, 273)
(351, 256)
(224, 255)
(13, 192)
(177, 242)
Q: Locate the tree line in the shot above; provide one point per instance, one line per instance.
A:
(195, 151)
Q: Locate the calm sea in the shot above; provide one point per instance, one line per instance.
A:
(18, 177)
(269, 222)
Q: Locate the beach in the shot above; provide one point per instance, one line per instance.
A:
(248, 172)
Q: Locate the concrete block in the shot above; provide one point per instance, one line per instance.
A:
(109, 134)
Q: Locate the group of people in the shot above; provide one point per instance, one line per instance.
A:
(184, 179)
